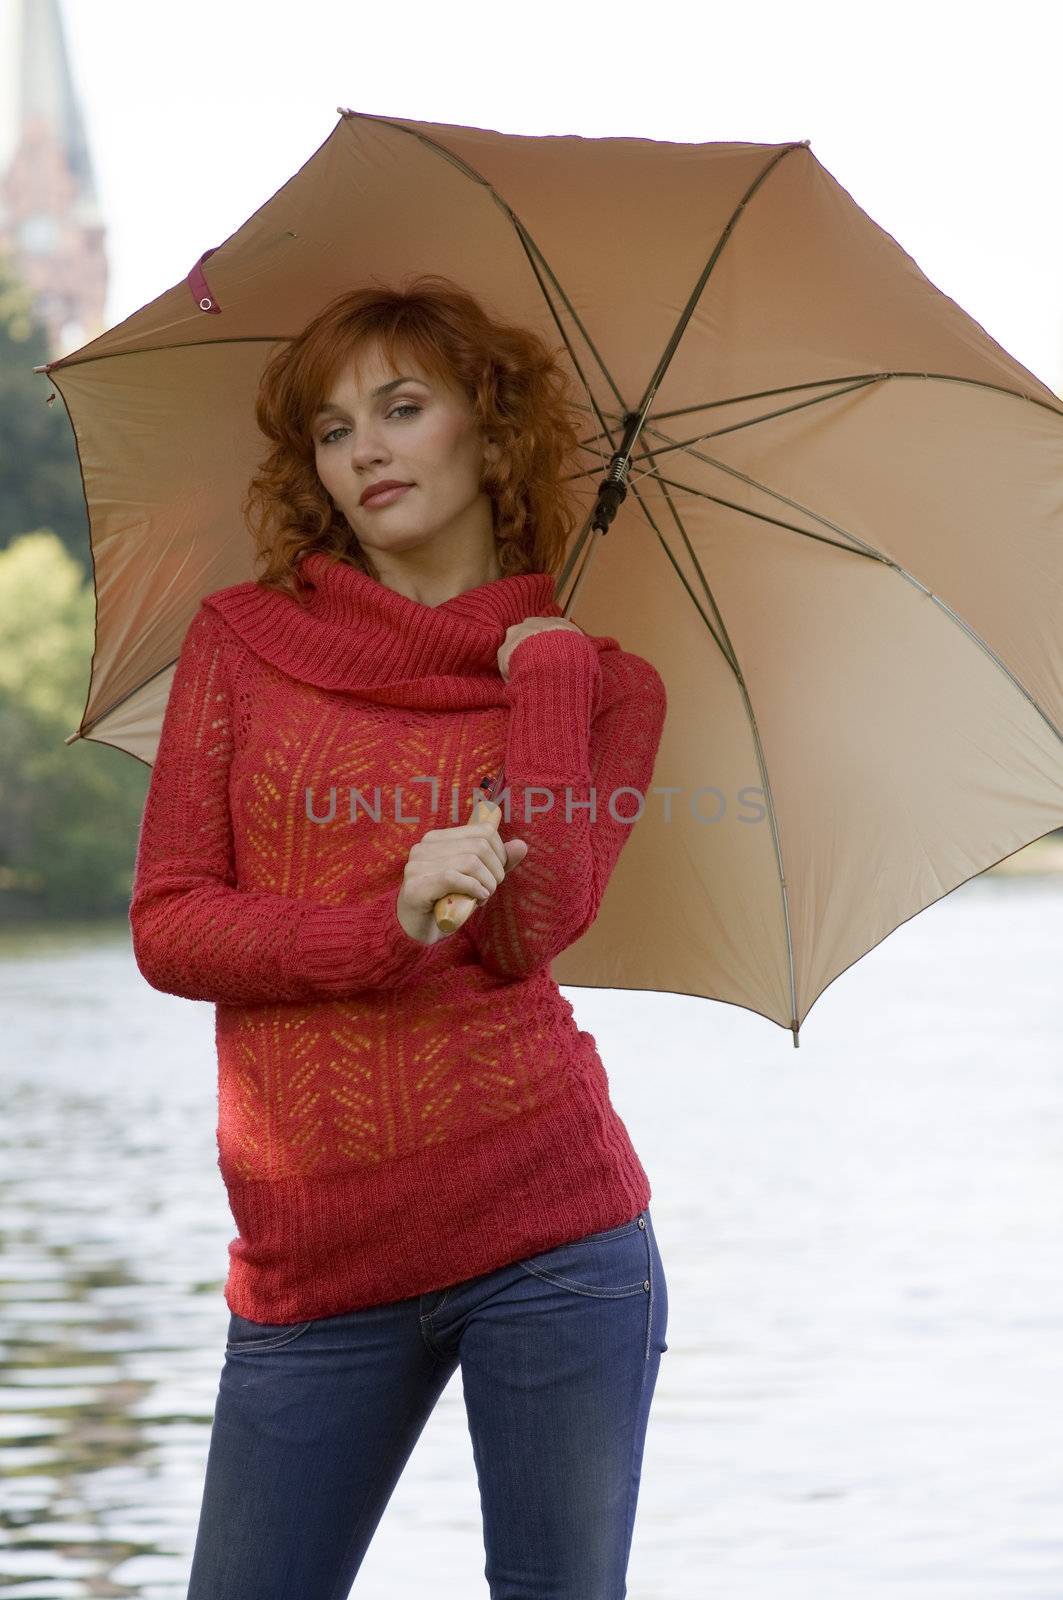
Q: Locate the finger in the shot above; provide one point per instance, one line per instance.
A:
(428, 887)
(484, 854)
(485, 831)
(487, 867)
(475, 877)
(494, 843)
(487, 834)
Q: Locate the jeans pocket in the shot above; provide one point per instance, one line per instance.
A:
(245, 1335)
(613, 1233)
(609, 1264)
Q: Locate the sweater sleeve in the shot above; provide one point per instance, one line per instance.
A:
(578, 738)
(195, 932)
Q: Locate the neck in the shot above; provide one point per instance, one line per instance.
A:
(433, 577)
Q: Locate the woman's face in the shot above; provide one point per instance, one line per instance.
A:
(417, 431)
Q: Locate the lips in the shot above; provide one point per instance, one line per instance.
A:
(384, 493)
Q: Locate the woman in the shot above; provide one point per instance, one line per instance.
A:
(417, 1141)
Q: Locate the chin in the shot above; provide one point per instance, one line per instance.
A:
(399, 544)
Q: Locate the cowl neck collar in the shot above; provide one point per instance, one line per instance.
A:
(352, 632)
(345, 596)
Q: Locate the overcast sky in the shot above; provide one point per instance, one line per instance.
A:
(942, 123)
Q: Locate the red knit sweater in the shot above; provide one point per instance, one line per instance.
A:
(393, 1117)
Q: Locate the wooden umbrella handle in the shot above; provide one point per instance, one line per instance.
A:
(451, 910)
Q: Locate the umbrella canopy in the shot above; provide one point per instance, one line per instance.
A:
(841, 545)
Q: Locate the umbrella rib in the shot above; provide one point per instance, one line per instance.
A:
(727, 650)
(639, 416)
(862, 547)
(749, 422)
(531, 250)
(157, 349)
(851, 380)
(535, 257)
(668, 352)
(867, 553)
(695, 294)
(85, 727)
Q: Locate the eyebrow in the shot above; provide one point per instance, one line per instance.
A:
(331, 410)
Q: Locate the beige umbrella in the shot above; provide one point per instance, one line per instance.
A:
(841, 542)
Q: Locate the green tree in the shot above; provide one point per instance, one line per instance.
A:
(69, 814)
(40, 479)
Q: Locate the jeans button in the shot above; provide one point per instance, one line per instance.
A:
(646, 1284)
(642, 1222)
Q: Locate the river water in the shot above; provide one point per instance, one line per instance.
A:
(863, 1242)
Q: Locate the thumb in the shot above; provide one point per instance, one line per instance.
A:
(516, 850)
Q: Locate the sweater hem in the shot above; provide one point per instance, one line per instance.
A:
(318, 1246)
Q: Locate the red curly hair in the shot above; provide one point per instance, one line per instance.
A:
(521, 396)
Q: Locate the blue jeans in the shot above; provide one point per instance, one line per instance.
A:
(314, 1422)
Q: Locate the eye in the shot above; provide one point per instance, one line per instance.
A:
(404, 405)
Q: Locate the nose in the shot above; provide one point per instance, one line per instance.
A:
(367, 448)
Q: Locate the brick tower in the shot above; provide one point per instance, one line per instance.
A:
(50, 222)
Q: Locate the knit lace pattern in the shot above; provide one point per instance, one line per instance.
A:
(392, 1116)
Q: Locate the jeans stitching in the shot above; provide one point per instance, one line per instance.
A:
(607, 1233)
(576, 1288)
(428, 1332)
(276, 1343)
(621, 1293)
(650, 1296)
(634, 1440)
(587, 1238)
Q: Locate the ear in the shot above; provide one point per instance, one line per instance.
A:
(492, 450)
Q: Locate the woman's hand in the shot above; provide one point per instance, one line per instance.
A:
(469, 859)
(524, 630)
